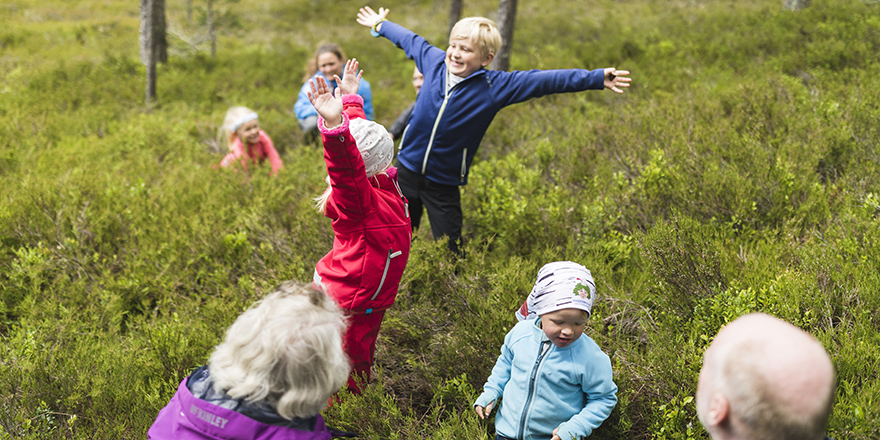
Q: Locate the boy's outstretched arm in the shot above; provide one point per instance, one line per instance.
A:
(351, 78)
(372, 19)
(614, 79)
(328, 105)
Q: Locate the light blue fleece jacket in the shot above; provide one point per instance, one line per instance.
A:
(571, 388)
(303, 108)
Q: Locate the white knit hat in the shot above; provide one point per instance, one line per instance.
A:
(560, 285)
(374, 143)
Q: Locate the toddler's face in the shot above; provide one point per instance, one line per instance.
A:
(463, 57)
(565, 326)
(249, 132)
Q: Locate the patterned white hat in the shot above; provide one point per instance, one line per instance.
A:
(374, 143)
(560, 285)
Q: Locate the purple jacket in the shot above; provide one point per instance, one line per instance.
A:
(187, 417)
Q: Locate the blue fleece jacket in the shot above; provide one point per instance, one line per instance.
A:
(304, 108)
(445, 130)
(570, 388)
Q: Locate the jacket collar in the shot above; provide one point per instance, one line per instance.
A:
(201, 385)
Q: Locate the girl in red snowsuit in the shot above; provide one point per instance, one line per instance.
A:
(371, 226)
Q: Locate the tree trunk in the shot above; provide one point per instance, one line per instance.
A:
(189, 11)
(212, 33)
(454, 14)
(796, 5)
(145, 37)
(506, 24)
(152, 39)
(150, 93)
(149, 49)
(159, 34)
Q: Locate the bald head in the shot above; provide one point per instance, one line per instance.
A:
(763, 378)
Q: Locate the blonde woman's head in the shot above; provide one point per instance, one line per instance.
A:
(286, 350)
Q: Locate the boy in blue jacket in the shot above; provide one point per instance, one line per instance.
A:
(458, 101)
(555, 382)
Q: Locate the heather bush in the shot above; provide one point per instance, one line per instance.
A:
(738, 174)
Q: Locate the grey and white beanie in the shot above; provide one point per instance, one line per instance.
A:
(560, 285)
(374, 143)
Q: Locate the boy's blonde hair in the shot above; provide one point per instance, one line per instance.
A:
(286, 350)
(478, 30)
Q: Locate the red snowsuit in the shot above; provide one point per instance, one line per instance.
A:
(372, 237)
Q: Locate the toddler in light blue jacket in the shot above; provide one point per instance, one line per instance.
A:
(554, 381)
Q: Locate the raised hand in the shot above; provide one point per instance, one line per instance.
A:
(351, 78)
(327, 103)
(614, 79)
(370, 18)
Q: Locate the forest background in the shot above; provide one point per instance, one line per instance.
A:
(738, 174)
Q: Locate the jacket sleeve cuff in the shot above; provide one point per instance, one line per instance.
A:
(352, 99)
(335, 131)
(486, 398)
(569, 431)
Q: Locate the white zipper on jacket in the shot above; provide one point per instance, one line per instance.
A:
(463, 164)
(446, 94)
(402, 138)
(385, 273)
(434, 133)
(527, 408)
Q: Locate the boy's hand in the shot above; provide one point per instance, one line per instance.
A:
(351, 78)
(614, 79)
(555, 437)
(484, 412)
(369, 18)
(328, 105)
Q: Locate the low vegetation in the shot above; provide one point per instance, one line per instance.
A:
(740, 173)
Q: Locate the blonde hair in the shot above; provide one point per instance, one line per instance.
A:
(227, 130)
(286, 350)
(478, 30)
(312, 64)
(321, 201)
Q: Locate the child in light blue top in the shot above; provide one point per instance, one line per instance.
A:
(556, 383)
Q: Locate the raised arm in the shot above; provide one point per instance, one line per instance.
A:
(327, 103)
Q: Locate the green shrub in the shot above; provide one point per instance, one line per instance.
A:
(738, 174)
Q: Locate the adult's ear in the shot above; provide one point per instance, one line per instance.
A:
(488, 59)
(719, 410)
